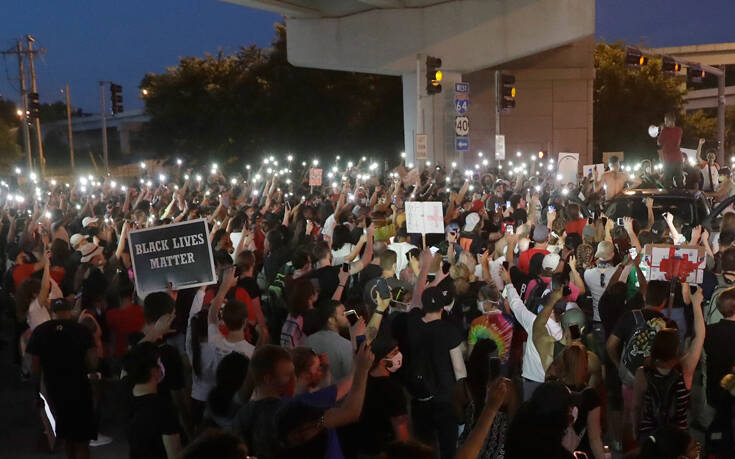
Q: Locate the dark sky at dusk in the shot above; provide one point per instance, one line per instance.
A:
(92, 40)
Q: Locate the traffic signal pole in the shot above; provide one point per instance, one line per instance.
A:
(37, 120)
(104, 127)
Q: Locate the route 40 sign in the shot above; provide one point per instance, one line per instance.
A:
(461, 126)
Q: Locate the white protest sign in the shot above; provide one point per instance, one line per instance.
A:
(567, 167)
(424, 217)
(666, 261)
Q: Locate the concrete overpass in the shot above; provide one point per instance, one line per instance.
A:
(87, 131)
(547, 44)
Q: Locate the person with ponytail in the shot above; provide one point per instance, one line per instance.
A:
(224, 398)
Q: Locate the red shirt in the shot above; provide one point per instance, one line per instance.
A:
(122, 322)
(524, 259)
(670, 142)
(576, 226)
(22, 272)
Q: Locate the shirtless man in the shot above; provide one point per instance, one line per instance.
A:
(613, 181)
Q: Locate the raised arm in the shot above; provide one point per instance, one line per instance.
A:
(228, 281)
(628, 225)
(349, 411)
(543, 341)
(691, 358)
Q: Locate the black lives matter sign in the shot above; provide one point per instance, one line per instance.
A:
(179, 254)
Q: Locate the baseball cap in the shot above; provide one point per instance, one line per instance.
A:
(89, 250)
(60, 304)
(573, 316)
(88, 221)
(551, 261)
(434, 298)
(76, 239)
(605, 251)
(477, 206)
(471, 221)
(540, 233)
(588, 232)
(453, 227)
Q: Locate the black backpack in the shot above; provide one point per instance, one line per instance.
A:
(660, 397)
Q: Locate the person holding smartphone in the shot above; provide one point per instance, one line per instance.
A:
(329, 341)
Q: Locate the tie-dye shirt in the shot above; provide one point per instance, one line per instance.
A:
(496, 327)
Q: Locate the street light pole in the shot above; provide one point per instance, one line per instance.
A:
(68, 125)
(104, 127)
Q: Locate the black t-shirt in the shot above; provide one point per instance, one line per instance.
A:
(171, 359)
(720, 360)
(152, 417)
(328, 278)
(626, 325)
(62, 346)
(384, 399)
(251, 286)
(370, 272)
(429, 344)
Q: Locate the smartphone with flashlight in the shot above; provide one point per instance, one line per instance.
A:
(620, 222)
(552, 209)
(633, 252)
(507, 204)
(509, 229)
(352, 317)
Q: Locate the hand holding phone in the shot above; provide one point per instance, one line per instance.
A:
(383, 289)
(352, 317)
(345, 267)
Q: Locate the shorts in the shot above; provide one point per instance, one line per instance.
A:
(74, 418)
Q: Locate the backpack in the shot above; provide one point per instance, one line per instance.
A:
(536, 296)
(273, 301)
(638, 347)
(660, 398)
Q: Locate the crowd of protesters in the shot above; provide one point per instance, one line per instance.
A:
(526, 330)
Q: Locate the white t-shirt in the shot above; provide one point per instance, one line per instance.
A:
(38, 314)
(329, 224)
(532, 368)
(222, 347)
(201, 385)
(596, 280)
(338, 256)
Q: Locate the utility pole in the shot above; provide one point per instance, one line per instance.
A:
(19, 51)
(34, 88)
(104, 127)
(68, 125)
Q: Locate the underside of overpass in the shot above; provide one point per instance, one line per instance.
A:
(547, 44)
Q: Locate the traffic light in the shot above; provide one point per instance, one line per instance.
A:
(695, 75)
(669, 66)
(116, 98)
(433, 75)
(634, 58)
(507, 95)
(34, 108)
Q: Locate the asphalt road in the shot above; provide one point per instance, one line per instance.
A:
(21, 430)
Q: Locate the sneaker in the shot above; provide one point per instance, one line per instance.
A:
(101, 441)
